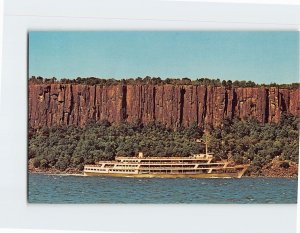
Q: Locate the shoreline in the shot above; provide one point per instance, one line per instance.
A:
(82, 175)
(56, 173)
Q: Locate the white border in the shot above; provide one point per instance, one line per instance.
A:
(21, 16)
(272, 2)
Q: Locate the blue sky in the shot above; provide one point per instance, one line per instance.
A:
(262, 57)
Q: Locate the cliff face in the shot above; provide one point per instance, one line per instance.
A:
(66, 104)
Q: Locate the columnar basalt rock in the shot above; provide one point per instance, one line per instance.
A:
(172, 105)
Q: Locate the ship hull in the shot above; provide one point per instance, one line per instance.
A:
(207, 175)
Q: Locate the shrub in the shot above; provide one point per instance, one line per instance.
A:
(36, 162)
(285, 165)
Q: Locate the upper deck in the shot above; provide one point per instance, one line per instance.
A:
(141, 158)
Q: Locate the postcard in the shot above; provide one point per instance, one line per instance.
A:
(163, 117)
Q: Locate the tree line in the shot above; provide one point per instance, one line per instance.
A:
(242, 141)
(158, 81)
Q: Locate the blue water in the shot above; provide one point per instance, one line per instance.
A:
(75, 189)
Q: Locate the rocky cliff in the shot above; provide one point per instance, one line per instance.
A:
(172, 105)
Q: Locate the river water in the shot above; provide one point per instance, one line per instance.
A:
(44, 188)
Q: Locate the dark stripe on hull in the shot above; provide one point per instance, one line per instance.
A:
(207, 175)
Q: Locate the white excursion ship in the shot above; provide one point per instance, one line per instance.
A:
(195, 166)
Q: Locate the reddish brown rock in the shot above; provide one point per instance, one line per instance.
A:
(278, 168)
(172, 105)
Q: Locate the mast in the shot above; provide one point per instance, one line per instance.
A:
(206, 144)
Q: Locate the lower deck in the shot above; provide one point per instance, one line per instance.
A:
(173, 175)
